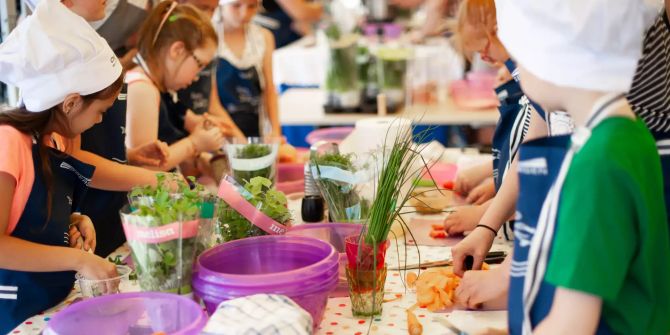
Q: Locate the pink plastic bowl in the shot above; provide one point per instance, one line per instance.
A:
(334, 134)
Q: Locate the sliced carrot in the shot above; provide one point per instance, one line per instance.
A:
(414, 327)
(485, 266)
(437, 226)
(411, 278)
(438, 234)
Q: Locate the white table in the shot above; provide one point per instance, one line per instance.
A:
(304, 106)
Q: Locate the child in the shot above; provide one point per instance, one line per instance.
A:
(591, 253)
(477, 32)
(201, 97)
(244, 72)
(176, 43)
(40, 187)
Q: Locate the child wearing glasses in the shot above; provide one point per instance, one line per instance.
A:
(176, 42)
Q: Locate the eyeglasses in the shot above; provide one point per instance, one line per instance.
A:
(200, 63)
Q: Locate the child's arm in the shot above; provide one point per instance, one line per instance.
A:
(301, 10)
(217, 110)
(20, 255)
(142, 126)
(269, 92)
(112, 176)
(572, 312)
(501, 209)
(469, 178)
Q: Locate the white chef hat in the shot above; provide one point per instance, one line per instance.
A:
(587, 44)
(53, 53)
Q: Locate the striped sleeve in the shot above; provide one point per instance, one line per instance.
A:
(650, 93)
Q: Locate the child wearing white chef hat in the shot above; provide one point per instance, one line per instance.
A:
(68, 76)
(591, 251)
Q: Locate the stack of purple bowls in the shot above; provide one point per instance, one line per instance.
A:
(304, 269)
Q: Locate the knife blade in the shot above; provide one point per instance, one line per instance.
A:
(493, 257)
(450, 326)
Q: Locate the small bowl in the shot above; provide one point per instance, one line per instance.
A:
(430, 200)
(97, 287)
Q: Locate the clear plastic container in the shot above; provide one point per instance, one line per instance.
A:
(97, 287)
(253, 157)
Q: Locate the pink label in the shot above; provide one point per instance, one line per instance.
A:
(230, 195)
(160, 234)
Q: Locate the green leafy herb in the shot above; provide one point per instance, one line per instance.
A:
(344, 202)
(251, 151)
(232, 225)
(165, 266)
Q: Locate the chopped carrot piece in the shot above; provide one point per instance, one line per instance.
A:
(438, 234)
(414, 327)
(437, 226)
(411, 278)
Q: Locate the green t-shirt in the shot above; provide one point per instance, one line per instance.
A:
(611, 238)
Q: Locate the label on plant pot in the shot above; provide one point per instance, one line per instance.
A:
(229, 194)
(161, 234)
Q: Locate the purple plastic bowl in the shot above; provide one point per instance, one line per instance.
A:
(333, 233)
(304, 269)
(130, 313)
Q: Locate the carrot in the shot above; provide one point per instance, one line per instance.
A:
(437, 226)
(411, 278)
(449, 185)
(438, 234)
(414, 327)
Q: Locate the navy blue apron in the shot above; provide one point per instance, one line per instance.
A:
(543, 165)
(28, 293)
(282, 23)
(514, 71)
(107, 139)
(663, 146)
(241, 95)
(509, 134)
(196, 96)
(171, 113)
(511, 129)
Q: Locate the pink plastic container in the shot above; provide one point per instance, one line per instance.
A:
(333, 233)
(130, 313)
(334, 134)
(304, 269)
(475, 92)
(290, 177)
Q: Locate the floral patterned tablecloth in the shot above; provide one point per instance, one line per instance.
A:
(338, 318)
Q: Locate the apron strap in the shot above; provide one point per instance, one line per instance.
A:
(538, 254)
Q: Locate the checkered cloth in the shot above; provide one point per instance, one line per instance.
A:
(261, 314)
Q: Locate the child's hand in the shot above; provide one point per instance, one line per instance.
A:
(85, 229)
(477, 244)
(482, 193)
(479, 287)
(463, 218)
(155, 154)
(96, 267)
(493, 331)
(217, 121)
(206, 139)
(469, 178)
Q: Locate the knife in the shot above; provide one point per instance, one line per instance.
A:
(449, 326)
(493, 257)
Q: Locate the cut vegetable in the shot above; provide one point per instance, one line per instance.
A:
(438, 234)
(411, 278)
(437, 226)
(414, 327)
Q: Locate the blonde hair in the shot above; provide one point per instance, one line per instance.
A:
(476, 20)
(167, 25)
